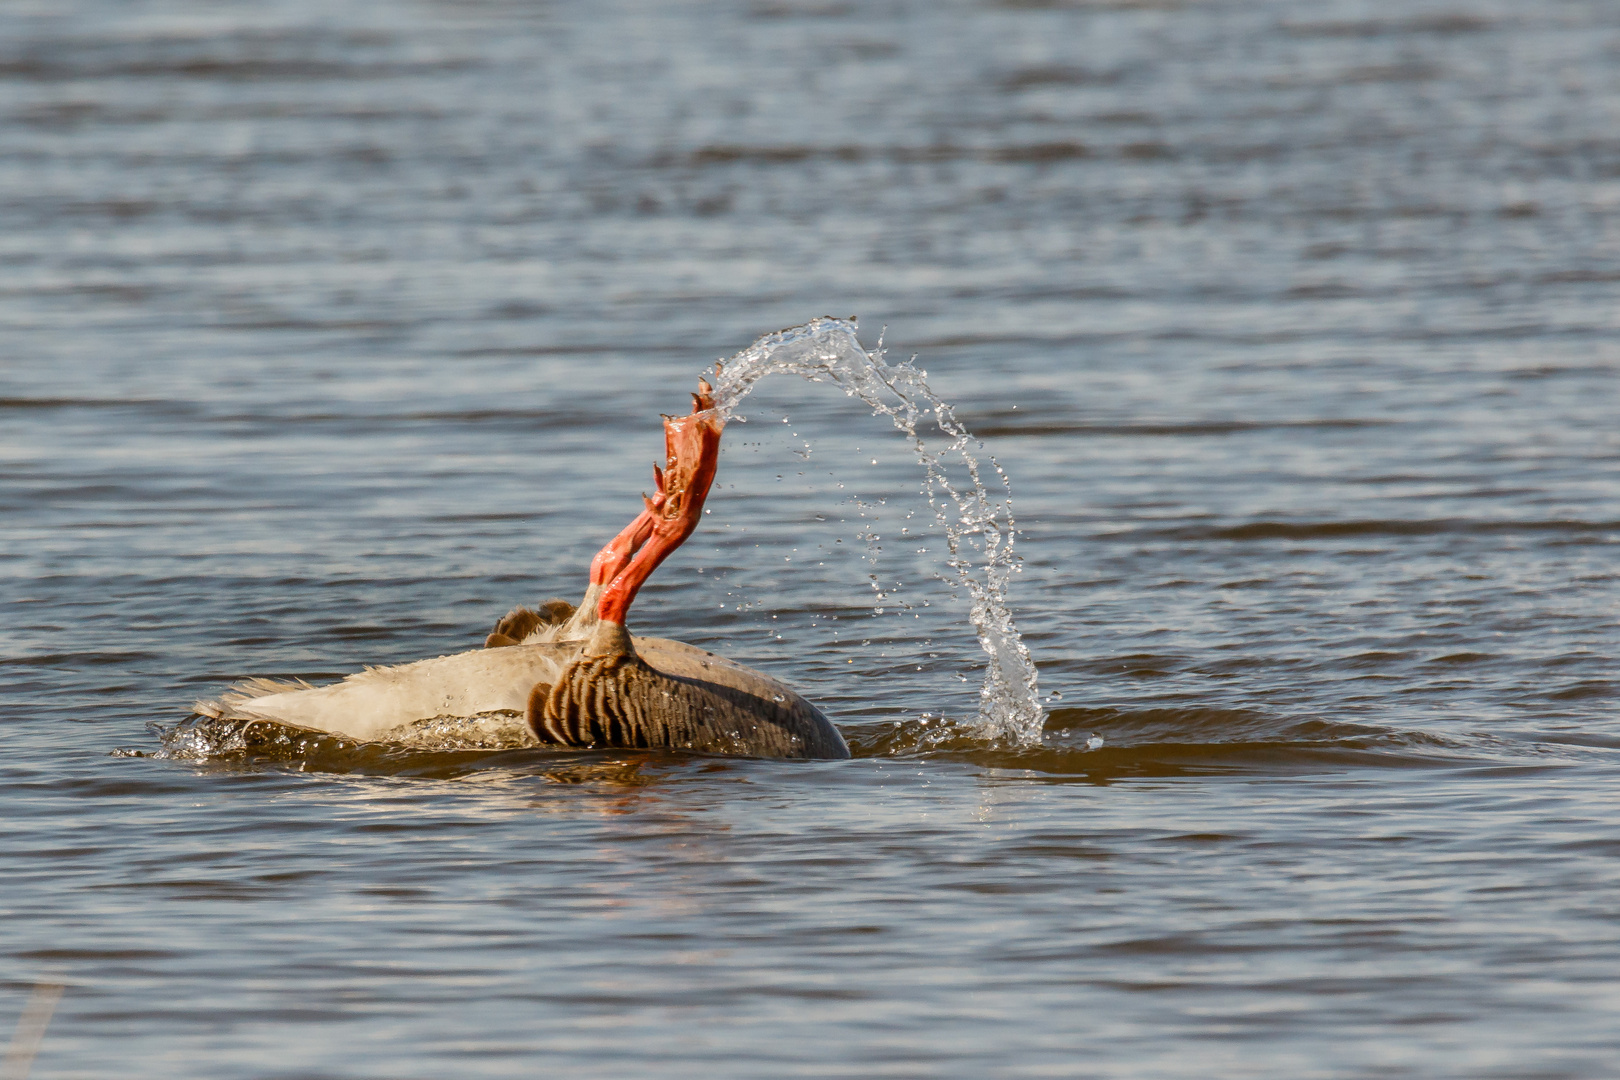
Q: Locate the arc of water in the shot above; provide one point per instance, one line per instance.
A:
(829, 350)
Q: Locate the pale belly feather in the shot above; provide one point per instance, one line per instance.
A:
(377, 703)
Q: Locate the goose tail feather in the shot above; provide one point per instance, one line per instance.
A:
(229, 704)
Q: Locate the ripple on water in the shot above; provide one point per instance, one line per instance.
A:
(331, 331)
(1163, 742)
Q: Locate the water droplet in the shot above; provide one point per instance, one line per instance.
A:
(828, 350)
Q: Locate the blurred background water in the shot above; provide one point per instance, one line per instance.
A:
(330, 331)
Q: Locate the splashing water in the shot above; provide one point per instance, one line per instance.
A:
(827, 350)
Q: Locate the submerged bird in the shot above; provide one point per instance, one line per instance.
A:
(577, 675)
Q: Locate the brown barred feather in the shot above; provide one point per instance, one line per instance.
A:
(619, 700)
(520, 622)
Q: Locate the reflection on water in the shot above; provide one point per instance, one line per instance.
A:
(330, 333)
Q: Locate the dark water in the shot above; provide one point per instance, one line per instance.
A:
(330, 331)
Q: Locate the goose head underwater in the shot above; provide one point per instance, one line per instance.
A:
(576, 674)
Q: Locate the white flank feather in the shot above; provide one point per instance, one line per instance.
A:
(368, 705)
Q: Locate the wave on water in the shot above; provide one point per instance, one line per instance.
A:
(1171, 742)
(1331, 530)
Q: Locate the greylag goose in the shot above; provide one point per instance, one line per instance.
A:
(577, 676)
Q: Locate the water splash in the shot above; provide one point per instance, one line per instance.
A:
(197, 738)
(979, 528)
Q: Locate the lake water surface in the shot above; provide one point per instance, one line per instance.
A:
(328, 332)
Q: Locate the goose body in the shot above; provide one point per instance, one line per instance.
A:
(577, 677)
(712, 705)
